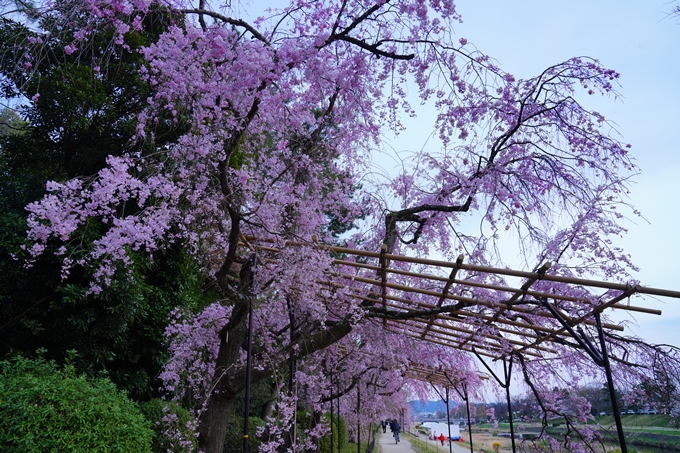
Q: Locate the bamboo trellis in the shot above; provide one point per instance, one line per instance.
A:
(497, 327)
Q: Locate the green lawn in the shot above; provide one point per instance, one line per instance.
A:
(351, 447)
(642, 431)
(651, 423)
(420, 446)
(636, 422)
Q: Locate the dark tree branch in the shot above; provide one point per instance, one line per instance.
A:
(240, 298)
(373, 48)
(546, 411)
(25, 312)
(410, 215)
(384, 313)
(236, 22)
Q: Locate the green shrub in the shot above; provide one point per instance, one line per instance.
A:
(233, 442)
(342, 432)
(325, 441)
(172, 425)
(45, 408)
(339, 435)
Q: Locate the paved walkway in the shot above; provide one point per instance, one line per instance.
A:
(387, 445)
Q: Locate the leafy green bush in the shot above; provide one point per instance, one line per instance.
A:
(172, 425)
(45, 408)
(339, 435)
(233, 442)
(325, 441)
(342, 432)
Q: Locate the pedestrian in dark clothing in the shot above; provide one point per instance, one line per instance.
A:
(384, 425)
(395, 430)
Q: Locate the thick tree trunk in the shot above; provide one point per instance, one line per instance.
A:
(212, 427)
(229, 379)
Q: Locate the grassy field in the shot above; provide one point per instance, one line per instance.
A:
(483, 442)
(644, 433)
(650, 423)
(654, 422)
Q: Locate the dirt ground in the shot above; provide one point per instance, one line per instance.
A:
(484, 440)
(481, 441)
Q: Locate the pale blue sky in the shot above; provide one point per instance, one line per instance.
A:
(641, 42)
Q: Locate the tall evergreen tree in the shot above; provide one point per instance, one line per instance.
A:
(72, 111)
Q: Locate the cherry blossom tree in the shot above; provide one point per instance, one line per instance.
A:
(282, 115)
(675, 10)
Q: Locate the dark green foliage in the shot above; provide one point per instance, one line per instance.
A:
(342, 432)
(87, 110)
(88, 101)
(47, 409)
(125, 323)
(169, 418)
(262, 394)
(10, 123)
(233, 442)
(119, 330)
(339, 433)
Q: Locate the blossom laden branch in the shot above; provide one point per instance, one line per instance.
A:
(227, 20)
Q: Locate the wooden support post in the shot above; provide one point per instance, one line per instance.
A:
(448, 418)
(249, 360)
(330, 372)
(359, 420)
(508, 371)
(610, 385)
(467, 404)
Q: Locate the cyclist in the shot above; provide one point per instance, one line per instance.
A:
(394, 426)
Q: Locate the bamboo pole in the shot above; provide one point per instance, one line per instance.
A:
(470, 314)
(509, 289)
(483, 317)
(467, 300)
(473, 333)
(407, 329)
(476, 268)
(445, 292)
(524, 346)
(596, 311)
(523, 290)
